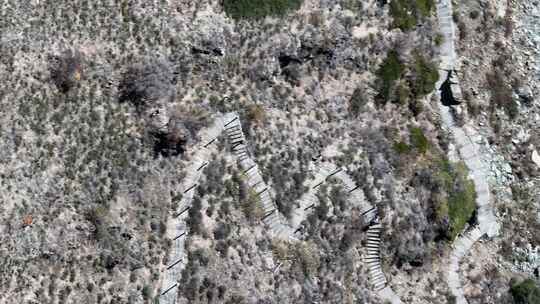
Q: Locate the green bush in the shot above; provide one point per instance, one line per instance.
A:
(418, 140)
(461, 196)
(425, 76)
(257, 9)
(147, 292)
(420, 80)
(525, 292)
(424, 6)
(403, 15)
(402, 148)
(439, 39)
(407, 12)
(389, 71)
(461, 207)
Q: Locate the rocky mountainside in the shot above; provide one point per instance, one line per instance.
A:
(280, 151)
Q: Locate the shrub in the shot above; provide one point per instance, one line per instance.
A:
(65, 70)
(402, 14)
(389, 71)
(402, 148)
(424, 6)
(403, 93)
(256, 114)
(418, 140)
(462, 30)
(149, 80)
(96, 216)
(407, 12)
(425, 76)
(357, 102)
(257, 9)
(307, 254)
(321, 210)
(474, 14)
(439, 39)
(501, 93)
(525, 292)
(460, 204)
(194, 220)
(252, 206)
(147, 292)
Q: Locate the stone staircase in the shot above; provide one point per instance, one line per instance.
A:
(469, 152)
(373, 257)
(461, 247)
(272, 218)
(277, 224)
(177, 229)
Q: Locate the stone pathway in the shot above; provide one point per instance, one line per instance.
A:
(275, 221)
(278, 225)
(469, 151)
(176, 226)
(448, 31)
(355, 196)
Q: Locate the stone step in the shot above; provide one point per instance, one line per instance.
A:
(380, 286)
(378, 276)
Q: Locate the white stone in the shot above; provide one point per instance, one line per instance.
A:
(536, 158)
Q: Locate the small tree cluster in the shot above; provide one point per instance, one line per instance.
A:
(146, 81)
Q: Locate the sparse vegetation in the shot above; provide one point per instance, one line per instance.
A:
(501, 92)
(252, 207)
(256, 9)
(525, 292)
(97, 148)
(417, 142)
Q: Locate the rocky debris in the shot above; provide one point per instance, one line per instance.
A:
(527, 259)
